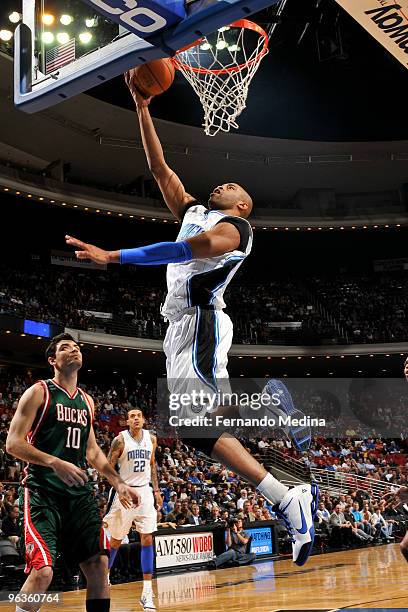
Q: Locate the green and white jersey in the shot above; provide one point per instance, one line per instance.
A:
(61, 428)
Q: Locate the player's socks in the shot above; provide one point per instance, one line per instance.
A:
(97, 605)
(147, 586)
(20, 609)
(273, 490)
(112, 556)
(146, 559)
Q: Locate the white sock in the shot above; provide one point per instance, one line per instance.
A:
(20, 609)
(272, 489)
(147, 586)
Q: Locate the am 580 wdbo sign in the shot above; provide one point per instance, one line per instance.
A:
(183, 549)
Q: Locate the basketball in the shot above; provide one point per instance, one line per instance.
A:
(155, 77)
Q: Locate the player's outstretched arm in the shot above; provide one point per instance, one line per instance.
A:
(17, 445)
(223, 238)
(169, 183)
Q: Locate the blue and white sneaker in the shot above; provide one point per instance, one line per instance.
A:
(146, 601)
(298, 509)
(300, 435)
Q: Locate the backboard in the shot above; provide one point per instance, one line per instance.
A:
(64, 47)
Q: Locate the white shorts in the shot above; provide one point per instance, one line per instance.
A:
(196, 347)
(119, 519)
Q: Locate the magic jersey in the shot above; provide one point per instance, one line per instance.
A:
(202, 282)
(134, 462)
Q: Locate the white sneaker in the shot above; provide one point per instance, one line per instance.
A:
(146, 601)
(298, 509)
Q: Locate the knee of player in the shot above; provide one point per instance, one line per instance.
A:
(95, 567)
(146, 539)
(42, 578)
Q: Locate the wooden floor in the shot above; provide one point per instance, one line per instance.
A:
(367, 578)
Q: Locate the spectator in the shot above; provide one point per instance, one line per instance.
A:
(172, 516)
(237, 540)
(341, 529)
(246, 514)
(242, 499)
(10, 526)
(382, 527)
(215, 515)
(195, 518)
(357, 533)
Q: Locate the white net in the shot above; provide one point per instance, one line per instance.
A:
(220, 69)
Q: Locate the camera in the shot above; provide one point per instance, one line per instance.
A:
(232, 522)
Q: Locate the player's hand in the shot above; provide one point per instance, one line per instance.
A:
(401, 495)
(128, 497)
(137, 96)
(159, 500)
(69, 473)
(172, 525)
(88, 251)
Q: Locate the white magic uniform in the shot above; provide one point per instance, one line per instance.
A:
(199, 335)
(135, 470)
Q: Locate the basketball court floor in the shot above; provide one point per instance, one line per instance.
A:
(370, 578)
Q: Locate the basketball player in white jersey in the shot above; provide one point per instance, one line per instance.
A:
(133, 450)
(212, 243)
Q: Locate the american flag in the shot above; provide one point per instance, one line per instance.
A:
(59, 56)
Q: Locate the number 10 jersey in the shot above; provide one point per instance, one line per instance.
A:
(61, 428)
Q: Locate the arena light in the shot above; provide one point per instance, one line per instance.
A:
(221, 44)
(205, 46)
(223, 29)
(62, 37)
(91, 22)
(15, 17)
(85, 37)
(66, 20)
(6, 35)
(47, 19)
(233, 48)
(47, 38)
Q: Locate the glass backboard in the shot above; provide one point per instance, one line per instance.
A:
(64, 47)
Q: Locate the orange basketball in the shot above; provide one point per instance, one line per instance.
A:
(155, 77)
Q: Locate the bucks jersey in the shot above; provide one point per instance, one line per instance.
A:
(134, 462)
(202, 282)
(61, 428)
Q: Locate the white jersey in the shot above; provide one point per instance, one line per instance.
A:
(202, 282)
(134, 462)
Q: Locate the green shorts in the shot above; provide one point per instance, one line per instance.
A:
(53, 523)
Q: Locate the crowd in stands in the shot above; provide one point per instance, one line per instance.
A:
(196, 491)
(369, 308)
(295, 311)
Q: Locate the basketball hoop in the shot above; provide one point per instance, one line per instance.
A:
(220, 68)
